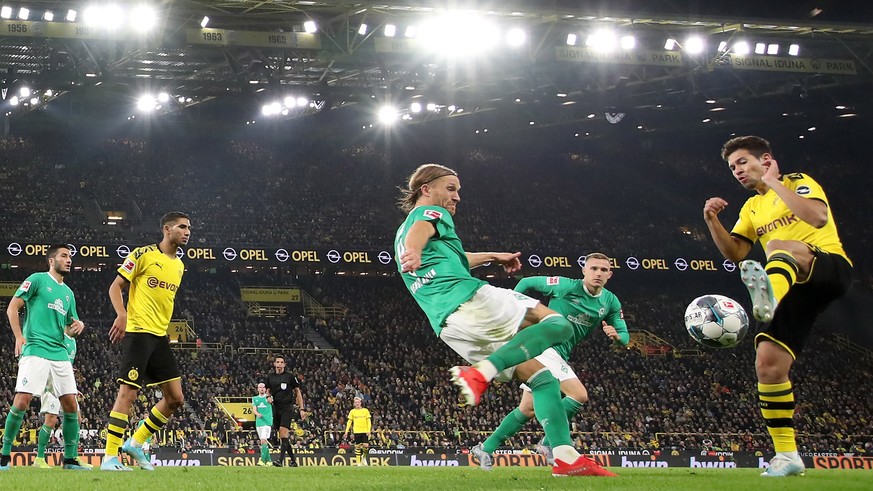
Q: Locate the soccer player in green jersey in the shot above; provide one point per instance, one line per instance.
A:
(498, 330)
(51, 312)
(50, 409)
(806, 270)
(589, 307)
(262, 406)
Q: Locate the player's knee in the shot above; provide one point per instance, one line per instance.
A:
(22, 400)
(175, 402)
(526, 411)
(580, 396)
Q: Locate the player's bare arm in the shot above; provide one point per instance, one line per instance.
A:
(730, 247)
(811, 211)
(416, 239)
(509, 260)
(116, 332)
(15, 305)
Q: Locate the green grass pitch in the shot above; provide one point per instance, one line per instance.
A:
(425, 479)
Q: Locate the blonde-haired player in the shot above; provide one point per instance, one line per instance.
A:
(360, 422)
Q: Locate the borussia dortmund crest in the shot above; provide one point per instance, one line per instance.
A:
(133, 374)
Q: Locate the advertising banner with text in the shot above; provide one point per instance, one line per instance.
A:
(380, 260)
(420, 457)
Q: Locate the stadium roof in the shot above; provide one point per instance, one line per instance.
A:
(257, 53)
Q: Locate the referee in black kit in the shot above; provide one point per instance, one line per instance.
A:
(285, 389)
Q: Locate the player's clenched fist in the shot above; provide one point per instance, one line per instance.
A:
(713, 207)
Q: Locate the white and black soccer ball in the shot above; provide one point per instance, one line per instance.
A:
(716, 321)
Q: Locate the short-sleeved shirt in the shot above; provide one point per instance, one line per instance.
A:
(443, 282)
(51, 307)
(281, 387)
(585, 311)
(154, 279)
(359, 420)
(265, 409)
(765, 217)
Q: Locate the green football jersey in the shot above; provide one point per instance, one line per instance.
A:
(51, 307)
(443, 282)
(266, 410)
(585, 311)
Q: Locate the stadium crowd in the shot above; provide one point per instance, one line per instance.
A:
(249, 193)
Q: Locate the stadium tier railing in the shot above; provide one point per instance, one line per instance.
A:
(257, 350)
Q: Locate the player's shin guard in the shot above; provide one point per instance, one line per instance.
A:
(571, 407)
(115, 433)
(531, 342)
(13, 424)
(511, 424)
(359, 450)
(550, 413)
(152, 424)
(45, 434)
(70, 427)
(777, 406)
(782, 270)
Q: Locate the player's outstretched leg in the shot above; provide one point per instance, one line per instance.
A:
(760, 290)
(783, 466)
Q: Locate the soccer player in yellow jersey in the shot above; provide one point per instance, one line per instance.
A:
(806, 270)
(153, 273)
(360, 423)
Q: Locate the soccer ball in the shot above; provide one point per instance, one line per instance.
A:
(716, 321)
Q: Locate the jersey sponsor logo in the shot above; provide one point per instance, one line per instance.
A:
(553, 280)
(779, 222)
(153, 282)
(128, 265)
(58, 307)
(803, 190)
(433, 214)
(25, 286)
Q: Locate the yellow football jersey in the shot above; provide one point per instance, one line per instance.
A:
(765, 217)
(359, 420)
(154, 279)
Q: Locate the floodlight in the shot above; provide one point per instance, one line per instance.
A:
(143, 17)
(628, 42)
(390, 30)
(23, 13)
(760, 48)
(362, 29)
(204, 21)
(571, 40)
(145, 103)
(6, 12)
(71, 15)
(694, 45)
(310, 26)
(415, 107)
(387, 114)
(410, 31)
(670, 44)
(48, 16)
(773, 49)
(741, 48)
(794, 50)
(516, 36)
